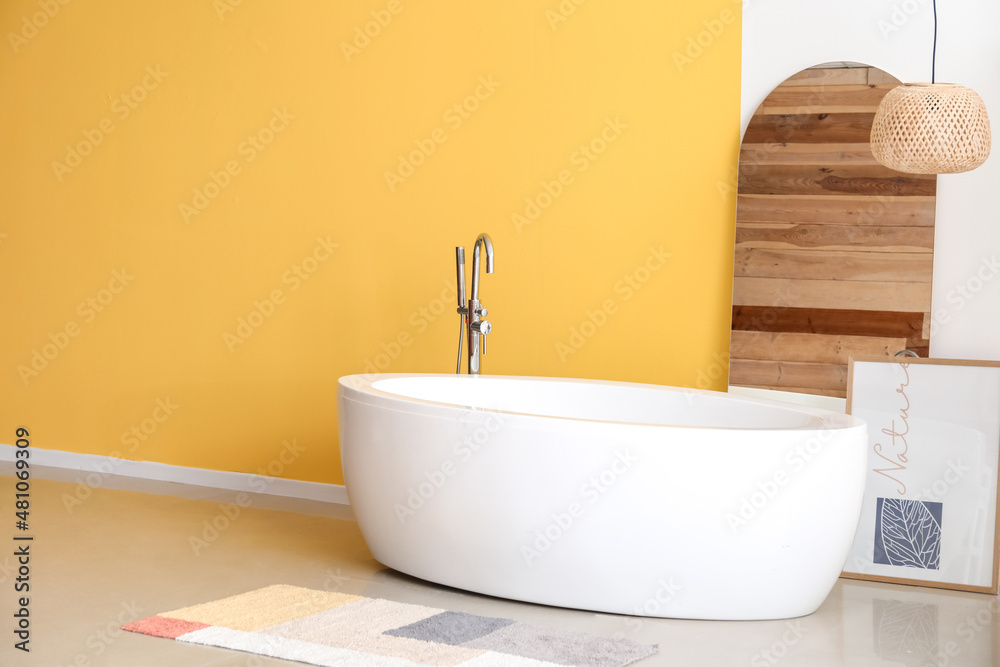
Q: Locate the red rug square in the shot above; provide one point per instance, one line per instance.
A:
(161, 626)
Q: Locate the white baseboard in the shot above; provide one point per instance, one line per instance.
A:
(216, 479)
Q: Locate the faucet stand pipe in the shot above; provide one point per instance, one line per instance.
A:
(478, 327)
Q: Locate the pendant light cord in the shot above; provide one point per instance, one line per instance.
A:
(934, 52)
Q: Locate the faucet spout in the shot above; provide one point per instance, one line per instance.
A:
(481, 240)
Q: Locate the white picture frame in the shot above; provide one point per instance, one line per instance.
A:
(929, 516)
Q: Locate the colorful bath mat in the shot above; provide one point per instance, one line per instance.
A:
(340, 630)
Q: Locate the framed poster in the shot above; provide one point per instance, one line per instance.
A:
(929, 516)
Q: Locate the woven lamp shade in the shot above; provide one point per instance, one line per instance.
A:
(931, 128)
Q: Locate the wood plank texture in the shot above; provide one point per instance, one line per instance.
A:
(810, 128)
(834, 237)
(812, 264)
(858, 98)
(806, 154)
(877, 76)
(834, 251)
(833, 76)
(836, 209)
(810, 348)
(844, 322)
(768, 179)
(787, 374)
(830, 294)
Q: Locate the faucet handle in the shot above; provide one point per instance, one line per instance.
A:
(482, 312)
(482, 327)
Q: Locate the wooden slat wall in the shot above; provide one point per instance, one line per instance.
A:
(833, 251)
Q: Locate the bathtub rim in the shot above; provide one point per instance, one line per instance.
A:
(363, 390)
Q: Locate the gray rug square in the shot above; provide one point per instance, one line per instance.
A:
(562, 647)
(450, 627)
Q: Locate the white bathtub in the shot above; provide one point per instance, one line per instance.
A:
(606, 496)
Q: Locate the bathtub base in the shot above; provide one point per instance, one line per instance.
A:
(609, 516)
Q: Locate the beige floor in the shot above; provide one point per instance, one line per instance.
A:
(130, 549)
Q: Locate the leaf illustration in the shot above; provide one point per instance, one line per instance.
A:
(910, 534)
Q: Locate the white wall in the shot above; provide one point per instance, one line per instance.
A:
(781, 37)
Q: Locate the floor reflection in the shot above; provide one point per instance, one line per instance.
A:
(917, 626)
(905, 632)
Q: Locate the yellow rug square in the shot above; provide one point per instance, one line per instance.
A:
(262, 608)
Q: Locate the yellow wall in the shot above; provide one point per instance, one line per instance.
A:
(116, 115)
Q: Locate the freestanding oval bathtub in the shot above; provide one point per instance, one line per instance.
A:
(606, 496)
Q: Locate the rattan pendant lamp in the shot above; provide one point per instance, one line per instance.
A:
(931, 128)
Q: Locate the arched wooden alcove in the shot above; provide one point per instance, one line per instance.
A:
(833, 251)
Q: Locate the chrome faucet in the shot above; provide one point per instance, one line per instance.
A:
(472, 311)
